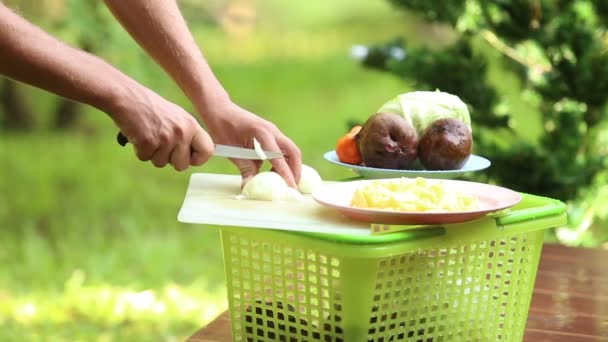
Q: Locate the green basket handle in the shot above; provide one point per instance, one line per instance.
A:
(552, 207)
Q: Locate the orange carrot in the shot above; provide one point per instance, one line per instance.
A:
(347, 149)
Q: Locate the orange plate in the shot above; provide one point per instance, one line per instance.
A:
(491, 198)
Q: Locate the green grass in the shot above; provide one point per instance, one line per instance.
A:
(90, 247)
(85, 228)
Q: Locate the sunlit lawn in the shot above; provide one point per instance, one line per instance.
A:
(90, 248)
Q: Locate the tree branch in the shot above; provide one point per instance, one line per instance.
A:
(508, 51)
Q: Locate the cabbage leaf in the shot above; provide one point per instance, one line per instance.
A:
(421, 108)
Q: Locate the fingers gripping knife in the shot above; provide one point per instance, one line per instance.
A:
(226, 151)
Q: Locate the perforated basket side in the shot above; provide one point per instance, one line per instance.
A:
(464, 290)
(281, 292)
(471, 281)
(471, 291)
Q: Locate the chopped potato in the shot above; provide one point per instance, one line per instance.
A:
(406, 194)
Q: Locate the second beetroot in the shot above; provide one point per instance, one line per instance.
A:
(445, 145)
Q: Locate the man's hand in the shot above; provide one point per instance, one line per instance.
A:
(161, 131)
(232, 125)
(159, 27)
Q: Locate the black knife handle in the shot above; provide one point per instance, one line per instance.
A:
(122, 139)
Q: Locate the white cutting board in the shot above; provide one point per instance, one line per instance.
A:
(211, 199)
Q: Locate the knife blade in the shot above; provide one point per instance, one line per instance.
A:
(224, 150)
(242, 152)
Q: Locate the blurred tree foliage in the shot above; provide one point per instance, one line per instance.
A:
(87, 25)
(78, 22)
(557, 50)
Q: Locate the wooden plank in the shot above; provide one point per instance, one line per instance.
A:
(563, 322)
(570, 299)
(552, 251)
(587, 307)
(575, 269)
(554, 280)
(216, 331)
(538, 335)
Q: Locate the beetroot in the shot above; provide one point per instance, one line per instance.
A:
(388, 141)
(445, 145)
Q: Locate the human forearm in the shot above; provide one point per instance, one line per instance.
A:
(30, 55)
(160, 131)
(159, 27)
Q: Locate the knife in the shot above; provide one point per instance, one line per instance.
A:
(223, 150)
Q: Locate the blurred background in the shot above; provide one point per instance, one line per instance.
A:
(90, 248)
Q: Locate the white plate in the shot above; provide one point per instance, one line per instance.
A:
(475, 163)
(491, 198)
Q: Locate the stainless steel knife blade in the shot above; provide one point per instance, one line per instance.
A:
(242, 153)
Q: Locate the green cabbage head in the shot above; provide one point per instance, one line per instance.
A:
(421, 108)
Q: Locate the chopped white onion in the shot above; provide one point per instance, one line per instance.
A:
(258, 149)
(288, 194)
(309, 180)
(270, 186)
(264, 185)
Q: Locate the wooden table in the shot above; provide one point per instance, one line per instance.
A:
(570, 301)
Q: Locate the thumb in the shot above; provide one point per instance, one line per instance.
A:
(201, 148)
(248, 169)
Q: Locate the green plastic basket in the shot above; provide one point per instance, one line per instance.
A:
(461, 282)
